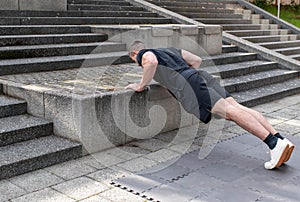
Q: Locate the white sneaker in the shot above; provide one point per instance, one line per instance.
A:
(278, 155)
(290, 151)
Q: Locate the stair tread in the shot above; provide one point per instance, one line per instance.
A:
(33, 148)
(6, 101)
(278, 42)
(13, 123)
(267, 90)
(257, 76)
(235, 66)
(268, 36)
(227, 55)
(61, 58)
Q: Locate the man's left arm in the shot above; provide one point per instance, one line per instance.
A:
(149, 64)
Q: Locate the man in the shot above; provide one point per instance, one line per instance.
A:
(202, 96)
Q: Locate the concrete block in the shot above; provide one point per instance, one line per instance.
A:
(189, 30)
(9, 5)
(162, 31)
(213, 29)
(54, 5)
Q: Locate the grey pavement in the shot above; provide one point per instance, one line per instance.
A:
(160, 169)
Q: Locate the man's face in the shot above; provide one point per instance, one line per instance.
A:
(133, 55)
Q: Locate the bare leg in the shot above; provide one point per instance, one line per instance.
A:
(243, 118)
(263, 121)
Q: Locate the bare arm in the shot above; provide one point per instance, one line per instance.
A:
(191, 59)
(149, 63)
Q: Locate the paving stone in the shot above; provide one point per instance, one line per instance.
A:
(235, 129)
(119, 195)
(90, 161)
(127, 152)
(150, 144)
(80, 188)
(95, 199)
(8, 190)
(36, 180)
(137, 165)
(107, 159)
(284, 114)
(47, 195)
(290, 127)
(106, 175)
(71, 169)
(163, 155)
(275, 121)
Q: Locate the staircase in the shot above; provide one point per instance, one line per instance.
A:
(37, 41)
(250, 80)
(240, 22)
(27, 143)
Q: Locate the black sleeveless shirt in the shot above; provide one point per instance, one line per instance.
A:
(172, 70)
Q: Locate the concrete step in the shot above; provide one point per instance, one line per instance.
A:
(229, 27)
(21, 40)
(280, 44)
(241, 68)
(13, 52)
(208, 1)
(256, 80)
(5, 13)
(289, 50)
(92, 20)
(43, 29)
(212, 15)
(228, 58)
(17, 66)
(229, 48)
(115, 8)
(268, 93)
(20, 128)
(35, 154)
(198, 4)
(296, 56)
(243, 33)
(11, 107)
(201, 10)
(272, 38)
(99, 2)
(218, 21)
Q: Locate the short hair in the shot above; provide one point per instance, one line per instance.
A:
(136, 46)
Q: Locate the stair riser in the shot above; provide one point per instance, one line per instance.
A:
(259, 83)
(13, 110)
(197, 5)
(36, 40)
(60, 65)
(221, 21)
(43, 30)
(114, 3)
(275, 46)
(40, 162)
(258, 33)
(48, 52)
(229, 49)
(75, 14)
(212, 15)
(270, 39)
(104, 8)
(25, 134)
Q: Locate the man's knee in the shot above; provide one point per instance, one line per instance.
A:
(224, 109)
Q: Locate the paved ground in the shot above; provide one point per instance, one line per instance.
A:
(158, 169)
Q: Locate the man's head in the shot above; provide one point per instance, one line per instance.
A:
(135, 48)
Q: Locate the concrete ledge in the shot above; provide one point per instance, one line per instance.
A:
(269, 16)
(211, 36)
(101, 120)
(284, 61)
(190, 37)
(49, 5)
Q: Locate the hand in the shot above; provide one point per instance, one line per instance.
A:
(135, 87)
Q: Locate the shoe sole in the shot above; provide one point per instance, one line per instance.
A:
(288, 155)
(282, 157)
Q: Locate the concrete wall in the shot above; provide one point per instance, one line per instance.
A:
(51, 5)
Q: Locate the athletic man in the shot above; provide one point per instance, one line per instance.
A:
(200, 94)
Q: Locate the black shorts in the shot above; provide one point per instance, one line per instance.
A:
(201, 93)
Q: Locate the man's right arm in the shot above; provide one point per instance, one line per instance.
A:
(191, 59)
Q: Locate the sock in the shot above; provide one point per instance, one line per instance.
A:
(279, 136)
(271, 141)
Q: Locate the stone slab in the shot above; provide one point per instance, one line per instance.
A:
(54, 5)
